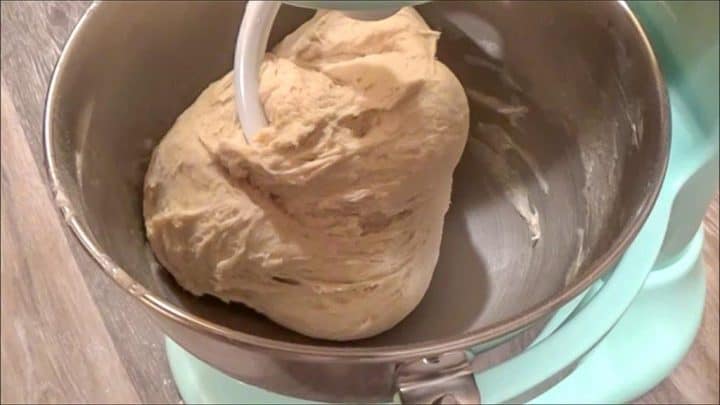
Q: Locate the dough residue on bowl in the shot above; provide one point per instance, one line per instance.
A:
(329, 222)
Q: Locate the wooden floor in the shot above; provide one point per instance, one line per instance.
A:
(63, 337)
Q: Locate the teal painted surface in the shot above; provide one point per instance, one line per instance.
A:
(199, 383)
(647, 343)
(684, 35)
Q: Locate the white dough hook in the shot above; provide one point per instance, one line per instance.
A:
(252, 42)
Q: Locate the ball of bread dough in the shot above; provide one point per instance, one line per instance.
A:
(329, 221)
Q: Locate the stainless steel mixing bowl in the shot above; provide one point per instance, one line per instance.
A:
(573, 84)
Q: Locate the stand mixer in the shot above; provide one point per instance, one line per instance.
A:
(658, 326)
(609, 343)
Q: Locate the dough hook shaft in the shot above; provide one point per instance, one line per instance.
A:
(252, 43)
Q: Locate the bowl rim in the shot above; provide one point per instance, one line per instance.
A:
(494, 331)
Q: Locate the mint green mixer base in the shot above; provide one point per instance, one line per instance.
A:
(647, 343)
(643, 348)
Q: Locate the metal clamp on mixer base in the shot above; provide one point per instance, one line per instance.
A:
(546, 315)
(445, 379)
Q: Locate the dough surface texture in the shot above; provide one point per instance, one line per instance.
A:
(329, 221)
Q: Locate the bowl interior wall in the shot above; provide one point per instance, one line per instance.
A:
(578, 69)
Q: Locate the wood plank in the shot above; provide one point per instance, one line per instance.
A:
(55, 346)
(33, 34)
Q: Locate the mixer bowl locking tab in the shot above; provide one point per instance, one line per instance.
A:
(444, 379)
